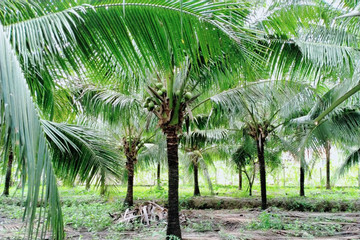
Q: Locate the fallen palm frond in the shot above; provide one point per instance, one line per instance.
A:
(145, 213)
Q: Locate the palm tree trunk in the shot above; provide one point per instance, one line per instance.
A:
(260, 149)
(359, 174)
(129, 199)
(102, 183)
(158, 180)
(172, 141)
(196, 180)
(8, 174)
(327, 154)
(302, 173)
(302, 179)
(240, 179)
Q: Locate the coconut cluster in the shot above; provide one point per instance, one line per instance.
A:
(151, 102)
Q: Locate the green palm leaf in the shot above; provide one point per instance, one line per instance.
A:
(27, 132)
(111, 105)
(351, 160)
(82, 153)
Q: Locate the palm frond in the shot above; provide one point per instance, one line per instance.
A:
(331, 47)
(350, 161)
(263, 100)
(111, 105)
(28, 133)
(203, 137)
(204, 166)
(83, 154)
(335, 97)
(318, 43)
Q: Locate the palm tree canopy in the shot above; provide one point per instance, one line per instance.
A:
(53, 42)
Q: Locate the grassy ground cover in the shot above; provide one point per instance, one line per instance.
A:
(86, 213)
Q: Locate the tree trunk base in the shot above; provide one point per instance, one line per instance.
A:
(172, 141)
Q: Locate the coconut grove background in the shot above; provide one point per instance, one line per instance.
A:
(179, 119)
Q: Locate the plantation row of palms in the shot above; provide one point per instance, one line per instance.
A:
(199, 74)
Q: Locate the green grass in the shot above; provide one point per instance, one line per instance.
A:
(87, 209)
(315, 227)
(80, 195)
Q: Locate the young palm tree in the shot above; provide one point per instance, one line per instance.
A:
(340, 126)
(263, 107)
(244, 159)
(154, 155)
(291, 141)
(201, 146)
(131, 119)
(159, 35)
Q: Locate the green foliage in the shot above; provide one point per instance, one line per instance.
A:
(11, 207)
(202, 226)
(227, 236)
(92, 216)
(268, 220)
(81, 153)
(25, 130)
(43, 45)
(246, 153)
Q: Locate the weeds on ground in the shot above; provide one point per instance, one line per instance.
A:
(202, 226)
(227, 236)
(11, 207)
(267, 221)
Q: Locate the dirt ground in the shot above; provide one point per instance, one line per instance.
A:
(229, 225)
(232, 225)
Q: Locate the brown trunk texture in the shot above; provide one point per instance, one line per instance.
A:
(302, 180)
(196, 180)
(327, 153)
(240, 179)
(172, 140)
(158, 180)
(8, 174)
(359, 175)
(129, 199)
(260, 148)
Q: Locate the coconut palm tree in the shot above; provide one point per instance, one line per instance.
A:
(82, 42)
(148, 36)
(201, 146)
(290, 139)
(244, 159)
(154, 154)
(324, 40)
(127, 113)
(263, 107)
(340, 126)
